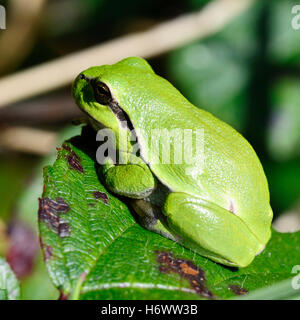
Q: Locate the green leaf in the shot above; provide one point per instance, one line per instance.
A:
(284, 290)
(94, 249)
(9, 286)
(36, 285)
(274, 264)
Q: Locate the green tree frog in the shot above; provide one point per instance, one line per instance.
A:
(218, 207)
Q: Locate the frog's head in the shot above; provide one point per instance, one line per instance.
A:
(96, 91)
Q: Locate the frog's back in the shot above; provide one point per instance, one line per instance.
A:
(232, 175)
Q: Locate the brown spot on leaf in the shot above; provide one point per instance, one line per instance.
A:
(73, 159)
(63, 230)
(47, 253)
(50, 211)
(101, 195)
(237, 289)
(74, 164)
(186, 269)
(69, 149)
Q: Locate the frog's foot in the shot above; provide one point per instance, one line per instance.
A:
(151, 217)
(130, 180)
(210, 230)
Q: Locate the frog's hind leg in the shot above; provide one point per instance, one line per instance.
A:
(210, 230)
(150, 217)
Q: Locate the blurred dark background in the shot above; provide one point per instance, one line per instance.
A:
(247, 74)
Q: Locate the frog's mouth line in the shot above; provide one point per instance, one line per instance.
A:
(120, 114)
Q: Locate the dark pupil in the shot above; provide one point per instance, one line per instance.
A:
(102, 94)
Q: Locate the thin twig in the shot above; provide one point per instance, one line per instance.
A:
(157, 40)
(28, 140)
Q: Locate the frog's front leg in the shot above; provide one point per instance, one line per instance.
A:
(211, 230)
(133, 180)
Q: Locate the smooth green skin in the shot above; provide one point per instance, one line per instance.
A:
(224, 213)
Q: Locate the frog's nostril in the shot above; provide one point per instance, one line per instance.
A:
(83, 77)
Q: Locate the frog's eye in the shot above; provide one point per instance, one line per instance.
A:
(102, 93)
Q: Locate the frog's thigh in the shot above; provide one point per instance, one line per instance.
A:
(130, 180)
(224, 236)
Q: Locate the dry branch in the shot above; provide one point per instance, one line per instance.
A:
(28, 140)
